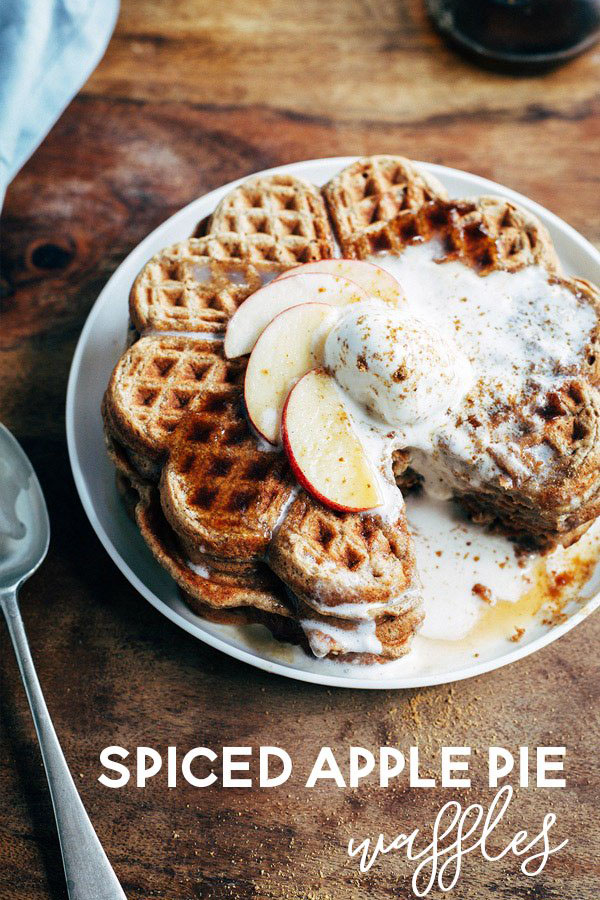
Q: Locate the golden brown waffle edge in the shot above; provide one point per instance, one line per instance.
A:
(254, 235)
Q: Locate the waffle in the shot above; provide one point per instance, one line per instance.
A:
(223, 533)
(234, 504)
(544, 450)
(331, 636)
(282, 208)
(374, 190)
(221, 493)
(221, 511)
(315, 634)
(197, 285)
(259, 597)
(540, 503)
(257, 588)
(128, 476)
(331, 560)
(153, 385)
(489, 233)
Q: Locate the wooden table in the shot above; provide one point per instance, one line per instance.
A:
(190, 95)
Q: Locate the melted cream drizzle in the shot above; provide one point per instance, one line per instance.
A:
(522, 335)
(361, 638)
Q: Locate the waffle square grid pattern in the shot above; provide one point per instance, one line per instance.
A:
(221, 503)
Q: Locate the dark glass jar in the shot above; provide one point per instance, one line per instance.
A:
(519, 35)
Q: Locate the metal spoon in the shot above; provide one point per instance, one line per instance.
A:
(24, 539)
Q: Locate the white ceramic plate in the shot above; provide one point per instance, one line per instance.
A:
(100, 346)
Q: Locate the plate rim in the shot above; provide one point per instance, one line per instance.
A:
(272, 666)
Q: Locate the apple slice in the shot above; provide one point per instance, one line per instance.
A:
(286, 350)
(323, 448)
(254, 314)
(377, 282)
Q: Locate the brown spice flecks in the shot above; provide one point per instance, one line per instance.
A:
(361, 364)
(482, 591)
(519, 632)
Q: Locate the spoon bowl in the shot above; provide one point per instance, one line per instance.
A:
(24, 523)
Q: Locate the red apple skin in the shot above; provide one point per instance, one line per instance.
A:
(297, 270)
(300, 476)
(292, 272)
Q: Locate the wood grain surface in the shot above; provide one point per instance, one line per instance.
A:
(190, 95)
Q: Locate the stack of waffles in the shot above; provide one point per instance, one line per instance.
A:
(223, 513)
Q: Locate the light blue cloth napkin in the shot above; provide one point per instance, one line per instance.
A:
(48, 48)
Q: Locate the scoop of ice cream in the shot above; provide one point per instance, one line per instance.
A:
(398, 367)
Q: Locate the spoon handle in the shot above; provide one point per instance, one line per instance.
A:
(87, 869)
